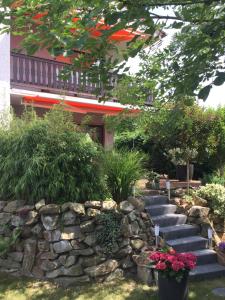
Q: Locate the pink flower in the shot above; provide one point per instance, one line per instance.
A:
(170, 258)
(190, 264)
(172, 251)
(160, 266)
(177, 265)
(155, 256)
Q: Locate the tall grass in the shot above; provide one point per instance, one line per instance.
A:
(123, 168)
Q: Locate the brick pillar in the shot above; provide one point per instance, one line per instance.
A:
(108, 139)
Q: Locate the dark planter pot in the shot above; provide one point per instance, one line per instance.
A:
(170, 289)
(181, 172)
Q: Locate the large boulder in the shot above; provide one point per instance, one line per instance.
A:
(52, 236)
(71, 233)
(32, 218)
(40, 204)
(90, 261)
(16, 256)
(49, 222)
(87, 226)
(137, 244)
(109, 205)
(13, 206)
(90, 239)
(69, 218)
(48, 265)
(116, 275)
(4, 218)
(50, 209)
(62, 246)
(198, 211)
(9, 264)
(78, 208)
(93, 204)
(93, 212)
(30, 246)
(102, 269)
(74, 271)
(126, 207)
(17, 221)
(138, 203)
(83, 252)
(43, 245)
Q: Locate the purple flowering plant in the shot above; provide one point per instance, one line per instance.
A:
(222, 246)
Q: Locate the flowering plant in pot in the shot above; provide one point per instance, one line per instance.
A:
(220, 250)
(173, 270)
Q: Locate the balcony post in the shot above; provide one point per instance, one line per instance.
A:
(4, 77)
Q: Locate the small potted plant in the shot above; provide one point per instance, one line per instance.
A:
(153, 180)
(220, 250)
(144, 270)
(173, 271)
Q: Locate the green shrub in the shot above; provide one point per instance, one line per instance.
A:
(215, 195)
(123, 168)
(49, 158)
(109, 233)
(213, 178)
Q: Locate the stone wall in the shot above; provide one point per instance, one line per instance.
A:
(59, 242)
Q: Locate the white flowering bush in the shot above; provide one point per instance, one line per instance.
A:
(215, 196)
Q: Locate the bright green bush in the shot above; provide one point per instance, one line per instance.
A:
(123, 168)
(215, 195)
(49, 158)
(213, 178)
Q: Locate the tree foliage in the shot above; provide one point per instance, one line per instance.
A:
(191, 66)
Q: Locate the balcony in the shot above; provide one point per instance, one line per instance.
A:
(29, 72)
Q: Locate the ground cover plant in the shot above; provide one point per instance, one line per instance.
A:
(49, 158)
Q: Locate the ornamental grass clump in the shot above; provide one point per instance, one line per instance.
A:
(49, 158)
(123, 168)
(171, 264)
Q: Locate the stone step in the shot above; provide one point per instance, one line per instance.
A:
(207, 271)
(155, 210)
(188, 244)
(155, 200)
(178, 231)
(205, 256)
(169, 220)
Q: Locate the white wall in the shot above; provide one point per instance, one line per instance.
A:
(4, 71)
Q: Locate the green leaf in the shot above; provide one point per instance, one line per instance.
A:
(204, 93)
(177, 25)
(220, 79)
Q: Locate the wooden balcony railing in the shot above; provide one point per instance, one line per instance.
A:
(44, 73)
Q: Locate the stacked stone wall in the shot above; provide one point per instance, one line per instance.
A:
(59, 242)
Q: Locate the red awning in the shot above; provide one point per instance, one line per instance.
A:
(77, 107)
(123, 35)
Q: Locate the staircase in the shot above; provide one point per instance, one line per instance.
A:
(183, 237)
